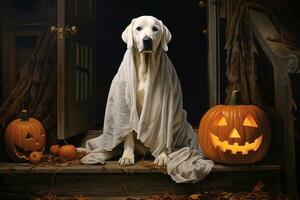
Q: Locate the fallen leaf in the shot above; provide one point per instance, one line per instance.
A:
(258, 187)
(195, 196)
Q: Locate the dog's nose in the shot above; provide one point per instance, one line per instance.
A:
(147, 41)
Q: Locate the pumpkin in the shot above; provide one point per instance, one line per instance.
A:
(22, 136)
(234, 134)
(35, 157)
(54, 149)
(68, 152)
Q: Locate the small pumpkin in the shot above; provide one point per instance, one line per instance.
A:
(35, 157)
(234, 134)
(54, 149)
(22, 136)
(68, 152)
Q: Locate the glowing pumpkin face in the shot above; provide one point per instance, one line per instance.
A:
(234, 134)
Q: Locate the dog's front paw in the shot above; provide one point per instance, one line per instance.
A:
(162, 159)
(127, 159)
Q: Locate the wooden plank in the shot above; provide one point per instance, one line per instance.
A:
(24, 179)
(109, 167)
(245, 168)
(112, 167)
(61, 91)
(129, 184)
(213, 53)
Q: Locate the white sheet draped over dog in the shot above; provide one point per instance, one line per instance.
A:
(162, 125)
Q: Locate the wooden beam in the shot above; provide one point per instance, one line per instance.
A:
(62, 126)
(213, 52)
(112, 167)
(284, 61)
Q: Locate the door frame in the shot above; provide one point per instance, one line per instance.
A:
(61, 92)
(213, 67)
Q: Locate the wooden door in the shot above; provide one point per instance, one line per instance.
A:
(75, 36)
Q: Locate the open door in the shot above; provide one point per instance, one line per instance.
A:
(75, 39)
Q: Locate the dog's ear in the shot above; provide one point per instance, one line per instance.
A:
(127, 36)
(166, 37)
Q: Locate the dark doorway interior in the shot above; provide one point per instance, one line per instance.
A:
(187, 49)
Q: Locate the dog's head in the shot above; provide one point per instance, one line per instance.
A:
(146, 34)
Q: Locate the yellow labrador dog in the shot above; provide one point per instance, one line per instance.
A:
(145, 35)
(144, 105)
(144, 110)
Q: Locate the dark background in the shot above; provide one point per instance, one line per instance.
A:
(187, 49)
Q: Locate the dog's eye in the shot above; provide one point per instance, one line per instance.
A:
(154, 28)
(138, 28)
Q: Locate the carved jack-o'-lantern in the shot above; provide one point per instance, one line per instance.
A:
(234, 134)
(23, 136)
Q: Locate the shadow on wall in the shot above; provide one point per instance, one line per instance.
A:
(188, 47)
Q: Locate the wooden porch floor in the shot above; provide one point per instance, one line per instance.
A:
(112, 167)
(111, 181)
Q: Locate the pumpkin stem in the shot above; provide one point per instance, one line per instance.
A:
(24, 115)
(65, 141)
(234, 98)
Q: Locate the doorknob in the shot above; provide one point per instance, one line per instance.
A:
(73, 30)
(53, 29)
(60, 31)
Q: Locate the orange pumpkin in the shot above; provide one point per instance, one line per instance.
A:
(35, 157)
(234, 134)
(22, 136)
(54, 149)
(68, 152)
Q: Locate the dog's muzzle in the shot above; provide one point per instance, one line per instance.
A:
(147, 44)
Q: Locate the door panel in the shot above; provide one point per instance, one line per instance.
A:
(75, 22)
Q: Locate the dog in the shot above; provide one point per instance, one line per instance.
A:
(144, 110)
(147, 41)
(147, 35)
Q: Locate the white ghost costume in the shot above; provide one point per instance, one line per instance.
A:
(162, 124)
